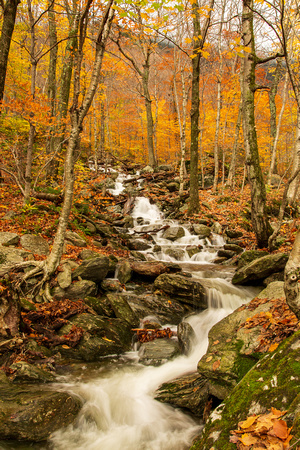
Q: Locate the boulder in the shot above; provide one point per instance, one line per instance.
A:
(35, 244)
(217, 228)
(260, 268)
(149, 304)
(151, 269)
(248, 256)
(24, 372)
(186, 290)
(202, 231)
(159, 351)
(234, 248)
(122, 309)
(93, 269)
(75, 239)
(173, 186)
(173, 233)
(186, 337)
(100, 305)
(75, 291)
(193, 250)
(111, 284)
(123, 271)
(64, 278)
(30, 413)
(138, 244)
(272, 382)
(176, 253)
(190, 389)
(7, 238)
(102, 337)
(233, 234)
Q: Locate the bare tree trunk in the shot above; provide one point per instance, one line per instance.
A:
(294, 186)
(259, 218)
(8, 24)
(292, 278)
(199, 37)
(231, 173)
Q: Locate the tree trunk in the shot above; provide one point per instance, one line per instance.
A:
(199, 37)
(231, 173)
(294, 186)
(8, 24)
(292, 278)
(150, 126)
(260, 223)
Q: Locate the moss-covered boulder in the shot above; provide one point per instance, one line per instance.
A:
(272, 382)
(93, 269)
(31, 413)
(122, 309)
(260, 268)
(186, 290)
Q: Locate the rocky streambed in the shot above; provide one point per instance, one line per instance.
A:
(178, 276)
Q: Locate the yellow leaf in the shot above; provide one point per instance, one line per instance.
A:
(65, 346)
(208, 359)
(106, 339)
(248, 422)
(273, 347)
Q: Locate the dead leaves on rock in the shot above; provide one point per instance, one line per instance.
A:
(276, 324)
(147, 335)
(43, 323)
(263, 431)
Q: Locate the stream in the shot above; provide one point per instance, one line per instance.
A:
(119, 410)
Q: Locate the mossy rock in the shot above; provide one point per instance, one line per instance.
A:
(272, 382)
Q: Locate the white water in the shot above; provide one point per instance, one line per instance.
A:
(119, 409)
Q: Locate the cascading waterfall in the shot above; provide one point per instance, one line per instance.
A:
(119, 409)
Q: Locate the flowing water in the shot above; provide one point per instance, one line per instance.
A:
(119, 409)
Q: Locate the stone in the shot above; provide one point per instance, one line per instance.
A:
(75, 239)
(248, 256)
(234, 248)
(173, 233)
(186, 290)
(260, 268)
(173, 186)
(138, 244)
(159, 351)
(64, 278)
(217, 228)
(233, 234)
(29, 413)
(24, 372)
(202, 231)
(35, 244)
(176, 253)
(193, 250)
(100, 305)
(151, 269)
(87, 254)
(111, 284)
(186, 337)
(76, 291)
(7, 238)
(94, 269)
(147, 169)
(123, 271)
(226, 253)
(122, 309)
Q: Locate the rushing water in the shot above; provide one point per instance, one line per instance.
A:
(119, 409)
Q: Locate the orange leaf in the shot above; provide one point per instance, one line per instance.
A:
(216, 364)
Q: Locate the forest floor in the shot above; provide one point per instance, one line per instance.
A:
(230, 207)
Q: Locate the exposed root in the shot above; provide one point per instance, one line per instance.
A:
(41, 289)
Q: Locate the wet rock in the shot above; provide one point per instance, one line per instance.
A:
(248, 256)
(150, 269)
(78, 290)
(7, 238)
(260, 268)
(273, 381)
(140, 256)
(111, 284)
(75, 239)
(159, 351)
(124, 271)
(226, 253)
(173, 233)
(188, 392)
(138, 244)
(32, 414)
(122, 309)
(94, 269)
(35, 244)
(101, 337)
(28, 373)
(202, 231)
(176, 253)
(100, 305)
(186, 290)
(148, 304)
(191, 251)
(186, 337)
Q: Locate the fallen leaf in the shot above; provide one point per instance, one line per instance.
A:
(216, 364)
(208, 359)
(248, 422)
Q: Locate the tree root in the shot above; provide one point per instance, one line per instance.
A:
(41, 290)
